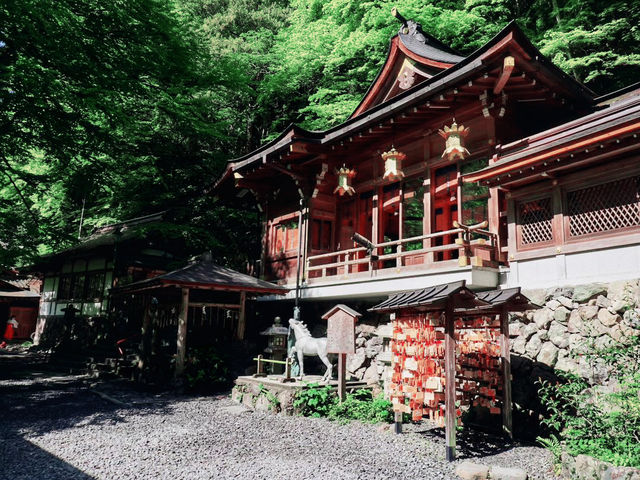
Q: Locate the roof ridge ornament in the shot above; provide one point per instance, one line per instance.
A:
(409, 27)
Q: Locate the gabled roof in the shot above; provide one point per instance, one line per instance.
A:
(341, 306)
(417, 47)
(205, 274)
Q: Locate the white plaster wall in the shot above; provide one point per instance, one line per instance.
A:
(604, 265)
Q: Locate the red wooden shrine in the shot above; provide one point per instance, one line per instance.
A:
(450, 352)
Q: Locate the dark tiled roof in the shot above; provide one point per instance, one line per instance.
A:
(207, 274)
(509, 296)
(425, 45)
(430, 296)
(436, 297)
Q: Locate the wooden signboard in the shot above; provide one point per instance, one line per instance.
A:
(341, 333)
(341, 339)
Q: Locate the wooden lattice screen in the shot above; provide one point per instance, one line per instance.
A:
(534, 218)
(604, 207)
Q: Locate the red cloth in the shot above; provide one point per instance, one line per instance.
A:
(8, 333)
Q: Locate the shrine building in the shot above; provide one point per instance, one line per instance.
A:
(497, 169)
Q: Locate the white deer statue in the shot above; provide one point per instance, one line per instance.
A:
(308, 345)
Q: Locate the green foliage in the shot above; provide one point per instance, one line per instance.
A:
(206, 370)
(129, 108)
(273, 400)
(317, 401)
(597, 421)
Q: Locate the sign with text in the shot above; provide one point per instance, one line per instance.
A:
(341, 333)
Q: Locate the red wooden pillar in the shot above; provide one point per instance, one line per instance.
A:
(450, 383)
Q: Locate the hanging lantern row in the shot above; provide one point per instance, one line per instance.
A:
(454, 141)
(345, 175)
(393, 164)
(454, 149)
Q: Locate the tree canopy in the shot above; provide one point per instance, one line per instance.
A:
(112, 110)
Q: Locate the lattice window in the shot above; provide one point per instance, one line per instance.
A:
(535, 218)
(605, 207)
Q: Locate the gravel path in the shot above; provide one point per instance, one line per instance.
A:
(59, 428)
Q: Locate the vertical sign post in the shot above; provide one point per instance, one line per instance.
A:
(341, 339)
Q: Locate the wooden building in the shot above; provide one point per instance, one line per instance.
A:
(19, 297)
(111, 256)
(453, 168)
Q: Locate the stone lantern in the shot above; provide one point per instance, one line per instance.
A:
(393, 164)
(345, 175)
(276, 340)
(454, 141)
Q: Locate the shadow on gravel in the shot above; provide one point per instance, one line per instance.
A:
(471, 443)
(22, 460)
(35, 402)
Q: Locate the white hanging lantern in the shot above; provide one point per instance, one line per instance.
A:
(393, 164)
(454, 141)
(345, 175)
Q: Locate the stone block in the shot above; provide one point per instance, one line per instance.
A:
(518, 345)
(603, 302)
(533, 346)
(472, 471)
(506, 473)
(565, 302)
(575, 323)
(515, 329)
(529, 330)
(558, 335)
(248, 400)
(561, 314)
(355, 361)
(548, 354)
(583, 293)
(543, 317)
(367, 330)
(371, 375)
(607, 318)
(621, 473)
(552, 304)
(588, 312)
(236, 394)
(537, 296)
(567, 364)
(263, 404)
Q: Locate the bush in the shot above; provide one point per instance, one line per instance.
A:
(206, 370)
(596, 421)
(317, 401)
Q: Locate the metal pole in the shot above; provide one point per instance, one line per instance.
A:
(296, 309)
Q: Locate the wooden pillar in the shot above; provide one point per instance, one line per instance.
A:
(507, 416)
(342, 376)
(450, 383)
(459, 191)
(512, 241)
(400, 248)
(182, 332)
(426, 215)
(242, 316)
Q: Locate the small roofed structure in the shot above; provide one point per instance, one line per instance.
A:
(451, 344)
(211, 297)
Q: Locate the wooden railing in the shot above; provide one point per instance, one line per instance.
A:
(478, 251)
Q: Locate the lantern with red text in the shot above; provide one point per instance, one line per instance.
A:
(393, 164)
(454, 141)
(345, 175)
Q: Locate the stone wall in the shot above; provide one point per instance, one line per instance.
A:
(369, 362)
(584, 467)
(572, 320)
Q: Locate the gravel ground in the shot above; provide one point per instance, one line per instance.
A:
(58, 427)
